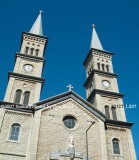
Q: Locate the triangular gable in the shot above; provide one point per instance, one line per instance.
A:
(56, 99)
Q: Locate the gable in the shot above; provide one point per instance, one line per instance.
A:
(62, 98)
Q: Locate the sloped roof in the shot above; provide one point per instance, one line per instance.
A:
(95, 41)
(37, 26)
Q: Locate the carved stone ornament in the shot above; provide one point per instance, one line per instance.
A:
(71, 148)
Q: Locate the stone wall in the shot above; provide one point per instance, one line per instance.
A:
(54, 136)
(14, 149)
(127, 151)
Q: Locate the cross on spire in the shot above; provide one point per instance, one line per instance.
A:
(70, 87)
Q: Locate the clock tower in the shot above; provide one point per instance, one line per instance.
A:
(25, 82)
(101, 81)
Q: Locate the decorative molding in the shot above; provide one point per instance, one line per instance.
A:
(115, 123)
(26, 34)
(31, 60)
(109, 98)
(17, 113)
(26, 77)
(106, 76)
(66, 101)
(116, 129)
(67, 95)
(34, 58)
(104, 93)
(102, 55)
(93, 50)
(55, 105)
(99, 73)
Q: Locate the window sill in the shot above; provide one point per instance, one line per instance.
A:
(117, 155)
(13, 141)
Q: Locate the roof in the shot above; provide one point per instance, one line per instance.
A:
(37, 26)
(95, 42)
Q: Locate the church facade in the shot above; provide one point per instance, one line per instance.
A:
(65, 126)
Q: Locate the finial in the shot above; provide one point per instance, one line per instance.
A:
(93, 25)
(70, 87)
(40, 11)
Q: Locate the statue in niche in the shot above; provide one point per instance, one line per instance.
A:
(71, 148)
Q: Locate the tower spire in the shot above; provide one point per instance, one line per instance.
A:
(95, 42)
(37, 26)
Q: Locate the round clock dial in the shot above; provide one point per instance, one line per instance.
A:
(28, 67)
(106, 84)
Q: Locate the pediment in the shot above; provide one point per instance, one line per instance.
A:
(69, 99)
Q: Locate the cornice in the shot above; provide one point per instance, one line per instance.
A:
(35, 35)
(41, 59)
(118, 123)
(94, 71)
(102, 92)
(97, 50)
(18, 75)
(16, 107)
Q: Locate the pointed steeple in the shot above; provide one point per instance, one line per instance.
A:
(95, 42)
(37, 26)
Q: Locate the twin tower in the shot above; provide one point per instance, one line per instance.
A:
(25, 82)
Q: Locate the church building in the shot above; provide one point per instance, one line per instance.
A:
(65, 126)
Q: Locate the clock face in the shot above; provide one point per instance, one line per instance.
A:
(28, 67)
(106, 84)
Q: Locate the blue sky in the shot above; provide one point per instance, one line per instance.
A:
(68, 26)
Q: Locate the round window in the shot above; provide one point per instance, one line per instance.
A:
(69, 122)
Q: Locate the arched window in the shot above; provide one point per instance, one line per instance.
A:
(107, 112)
(98, 66)
(37, 52)
(103, 67)
(14, 132)
(26, 50)
(26, 97)
(116, 147)
(114, 113)
(107, 68)
(31, 51)
(17, 96)
(91, 88)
